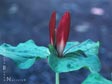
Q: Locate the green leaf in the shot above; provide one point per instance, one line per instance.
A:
(82, 55)
(70, 45)
(89, 47)
(96, 78)
(24, 54)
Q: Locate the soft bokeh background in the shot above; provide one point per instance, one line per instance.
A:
(21, 20)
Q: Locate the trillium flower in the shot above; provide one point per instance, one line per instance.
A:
(62, 56)
(68, 56)
(59, 36)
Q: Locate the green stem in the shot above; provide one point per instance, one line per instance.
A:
(57, 78)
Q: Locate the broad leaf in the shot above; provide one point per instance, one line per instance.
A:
(69, 46)
(82, 55)
(24, 54)
(96, 78)
(89, 47)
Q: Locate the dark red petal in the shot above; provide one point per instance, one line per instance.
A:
(52, 25)
(63, 32)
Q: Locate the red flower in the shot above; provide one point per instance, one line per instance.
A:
(59, 36)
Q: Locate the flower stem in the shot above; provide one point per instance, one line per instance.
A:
(57, 78)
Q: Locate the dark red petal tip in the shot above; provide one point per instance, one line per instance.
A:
(63, 32)
(52, 25)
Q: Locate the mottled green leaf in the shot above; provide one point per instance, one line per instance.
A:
(24, 54)
(75, 58)
(89, 47)
(70, 45)
(96, 78)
